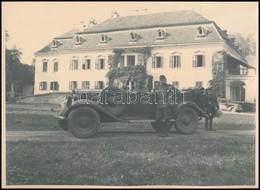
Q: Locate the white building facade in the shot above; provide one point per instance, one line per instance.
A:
(182, 47)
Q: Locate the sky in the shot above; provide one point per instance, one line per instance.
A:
(33, 25)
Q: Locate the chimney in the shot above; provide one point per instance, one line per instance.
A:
(92, 23)
(114, 14)
(232, 40)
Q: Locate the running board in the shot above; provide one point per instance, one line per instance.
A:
(147, 121)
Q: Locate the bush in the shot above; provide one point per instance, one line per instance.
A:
(248, 106)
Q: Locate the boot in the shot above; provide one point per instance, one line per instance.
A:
(206, 125)
(162, 134)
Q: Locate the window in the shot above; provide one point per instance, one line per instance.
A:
(43, 86)
(175, 84)
(99, 85)
(175, 61)
(104, 38)
(55, 66)
(100, 63)
(78, 39)
(201, 31)
(199, 84)
(198, 61)
(85, 85)
(54, 43)
(74, 65)
(44, 66)
(133, 37)
(156, 85)
(87, 64)
(157, 62)
(161, 34)
(72, 85)
(122, 61)
(54, 86)
(130, 60)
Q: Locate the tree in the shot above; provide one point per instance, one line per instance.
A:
(17, 74)
(247, 44)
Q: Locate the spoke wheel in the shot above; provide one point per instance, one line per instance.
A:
(187, 121)
(84, 122)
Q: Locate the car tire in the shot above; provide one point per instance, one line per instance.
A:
(107, 96)
(187, 121)
(63, 125)
(84, 122)
(156, 127)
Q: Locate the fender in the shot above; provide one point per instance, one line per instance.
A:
(194, 106)
(97, 107)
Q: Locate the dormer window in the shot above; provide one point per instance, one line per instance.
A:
(103, 38)
(133, 37)
(78, 40)
(201, 31)
(161, 34)
(54, 43)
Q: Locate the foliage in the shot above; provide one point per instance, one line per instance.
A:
(17, 73)
(137, 73)
(218, 73)
(247, 44)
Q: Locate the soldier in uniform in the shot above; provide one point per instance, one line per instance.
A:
(163, 112)
(211, 107)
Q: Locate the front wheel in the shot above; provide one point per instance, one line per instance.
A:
(187, 121)
(84, 122)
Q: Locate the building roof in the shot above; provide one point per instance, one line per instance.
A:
(148, 21)
(181, 28)
(68, 34)
(174, 35)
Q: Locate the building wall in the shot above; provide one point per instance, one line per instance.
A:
(186, 74)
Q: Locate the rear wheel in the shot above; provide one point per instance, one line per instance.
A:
(84, 122)
(187, 121)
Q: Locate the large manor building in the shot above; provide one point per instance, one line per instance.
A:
(183, 45)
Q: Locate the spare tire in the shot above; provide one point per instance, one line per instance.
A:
(113, 100)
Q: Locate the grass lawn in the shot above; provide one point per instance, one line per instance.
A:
(131, 154)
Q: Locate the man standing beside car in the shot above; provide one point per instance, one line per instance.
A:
(212, 106)
(163, 112)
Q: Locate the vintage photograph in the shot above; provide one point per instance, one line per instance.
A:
(130, 94)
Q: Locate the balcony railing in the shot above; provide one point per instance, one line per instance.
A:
(237, 72)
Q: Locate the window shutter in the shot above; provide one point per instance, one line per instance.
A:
(70, 85)
(104, 63)
(161, 62)
(203, 61)
(194, 61)
(83, 66)
(96, 65)
(171, 62)
(153, 62)
(140, 59)
(71, 64)
(179, 61)
(45, 86)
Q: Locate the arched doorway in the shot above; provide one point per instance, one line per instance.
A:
(237, 91)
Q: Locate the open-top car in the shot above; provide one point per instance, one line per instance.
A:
(83, 112)
(227, 105)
